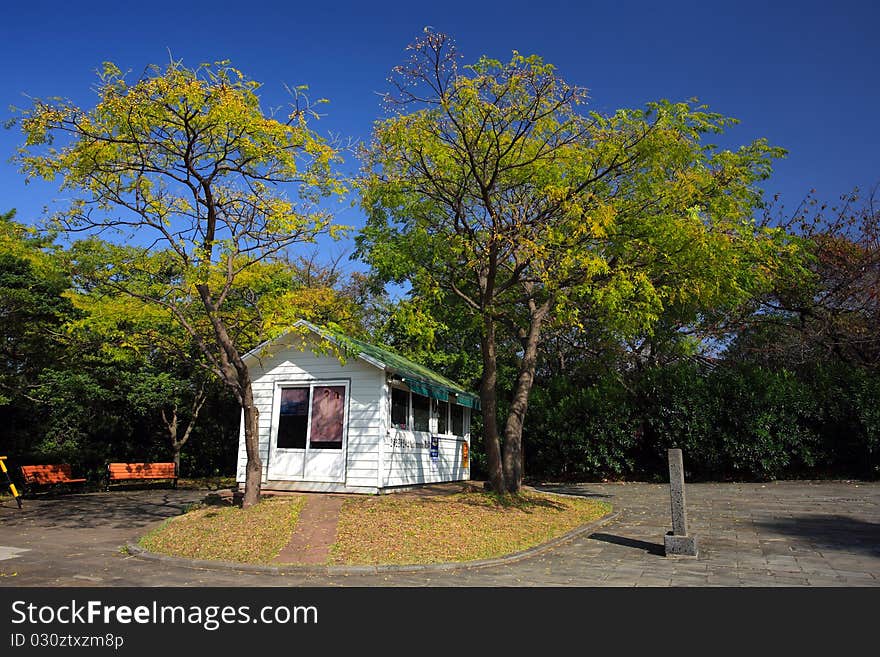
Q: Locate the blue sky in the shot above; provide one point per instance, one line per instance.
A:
(802, 74)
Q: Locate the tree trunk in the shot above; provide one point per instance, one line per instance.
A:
(236, 375)
(176, 444)
(489, 403)
(172, 425)
(513, 454)
(254, 470)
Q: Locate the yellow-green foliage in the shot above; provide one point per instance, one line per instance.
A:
(501, 188)
(206, 190)
(192, 158)
(214, 109)
(26, 242)
(137, 299)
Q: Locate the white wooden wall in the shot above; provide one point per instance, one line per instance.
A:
(376, 456)
(366, 425)
(406, 459)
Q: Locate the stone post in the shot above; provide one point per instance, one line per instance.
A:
(677, 542)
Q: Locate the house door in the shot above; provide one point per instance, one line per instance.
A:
(309, 432)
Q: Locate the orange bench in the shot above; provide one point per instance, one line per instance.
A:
(43, 475)
(135, 471)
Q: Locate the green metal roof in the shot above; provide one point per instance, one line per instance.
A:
(418, 377)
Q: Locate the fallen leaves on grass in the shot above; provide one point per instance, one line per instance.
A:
(253, 535)
(460, 527)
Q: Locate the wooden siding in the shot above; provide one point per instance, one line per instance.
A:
(376, 456)
(406, 459)
(365, 428)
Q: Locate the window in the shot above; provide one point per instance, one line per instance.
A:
(399, 408)
(442, 417)
(328, 415)
(311, 413)
(457, 420)
(421, 412)
(293, 421)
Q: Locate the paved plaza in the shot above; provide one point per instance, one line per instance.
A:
(749, 534)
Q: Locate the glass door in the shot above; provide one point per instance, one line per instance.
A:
(291, 431)
(325, 459)
(309, 432)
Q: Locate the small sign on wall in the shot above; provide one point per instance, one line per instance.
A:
(435, 447)
(465, 456)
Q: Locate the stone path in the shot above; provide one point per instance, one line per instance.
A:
(315, 531)
(775, 534)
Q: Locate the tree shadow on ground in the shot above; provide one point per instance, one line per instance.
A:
(114, 510)
(519, 502)
(8, 505)
(216, 499)
(651, 548)
(486, 500)
(829, 532)
(577, 490)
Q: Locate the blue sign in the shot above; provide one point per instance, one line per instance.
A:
(435, 447)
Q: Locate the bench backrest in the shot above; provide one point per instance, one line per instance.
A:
(141, 470)
(47, 474)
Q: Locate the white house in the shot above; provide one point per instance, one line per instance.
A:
(372, 423)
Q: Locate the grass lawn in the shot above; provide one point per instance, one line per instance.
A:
(400, 528)
(254, 535)
(394, 529)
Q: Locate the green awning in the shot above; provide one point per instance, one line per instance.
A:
(442, 393)
(420, 379)
(427, 389)
(470, 402)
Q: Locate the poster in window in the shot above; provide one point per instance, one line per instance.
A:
(328, 415)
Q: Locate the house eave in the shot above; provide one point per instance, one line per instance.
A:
(254, 354)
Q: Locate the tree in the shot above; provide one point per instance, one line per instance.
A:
(171, 378)
(179, 398)
(186, 163)
(490, 185)
(832, 312)
(33, 311)
(31, 307)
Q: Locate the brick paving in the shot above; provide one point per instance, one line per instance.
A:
(315, 531)
(775, 534)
